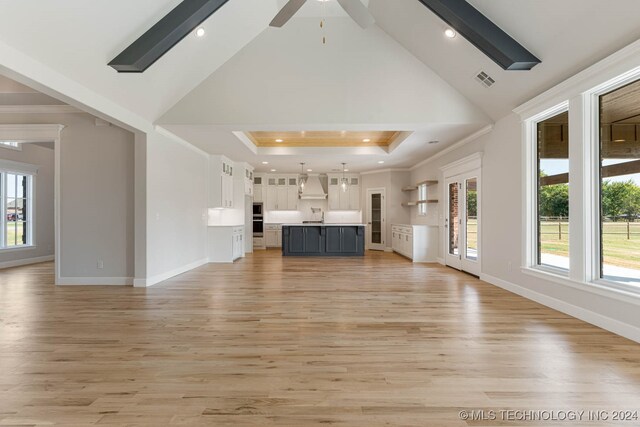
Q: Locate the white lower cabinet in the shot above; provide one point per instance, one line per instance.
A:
(226, 243)
(273, 235)
(417, 242)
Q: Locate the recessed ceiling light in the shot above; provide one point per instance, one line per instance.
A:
(450, 33)
(279, 140)
(273, 170)
(200, 32)
(265, 163)
(381, 162)
(366, 140)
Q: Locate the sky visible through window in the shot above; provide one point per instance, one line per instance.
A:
(558, 166)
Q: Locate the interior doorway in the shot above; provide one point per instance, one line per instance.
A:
(376, 219)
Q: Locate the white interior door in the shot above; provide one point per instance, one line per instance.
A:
(376, 219)
(462, 222)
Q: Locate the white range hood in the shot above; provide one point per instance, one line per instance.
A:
(313, 189)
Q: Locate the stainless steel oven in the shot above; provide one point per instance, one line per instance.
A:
(258, 220)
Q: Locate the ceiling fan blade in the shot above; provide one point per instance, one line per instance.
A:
(287, 12)
(358, 12)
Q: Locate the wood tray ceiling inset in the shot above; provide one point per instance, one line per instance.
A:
(323, 138)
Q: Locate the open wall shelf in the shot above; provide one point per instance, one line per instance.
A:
(419, 202)
(415, 187)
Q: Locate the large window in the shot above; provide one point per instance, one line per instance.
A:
(553, 192)
(17, 221)
(422, 196)
(11, 144)
(620, 184)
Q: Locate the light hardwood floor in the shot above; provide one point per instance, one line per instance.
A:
(297, 342)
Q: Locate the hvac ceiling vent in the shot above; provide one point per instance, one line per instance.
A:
(484, 79)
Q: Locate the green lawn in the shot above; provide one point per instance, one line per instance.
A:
(14, 233)
(618, 249)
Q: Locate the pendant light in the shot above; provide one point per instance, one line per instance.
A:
(302, 179)
(345, 181)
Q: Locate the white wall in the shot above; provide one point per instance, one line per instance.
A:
(501, 230)
(361, 77)
(96, 200)
(177, 201)
(44, 207)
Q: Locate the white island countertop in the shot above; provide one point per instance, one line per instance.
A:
(322, 224)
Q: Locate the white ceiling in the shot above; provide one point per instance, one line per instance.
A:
(567, 35)
(415, 148)
(77, 40)
(287, 79)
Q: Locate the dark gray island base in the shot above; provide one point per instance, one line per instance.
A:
(323, 240)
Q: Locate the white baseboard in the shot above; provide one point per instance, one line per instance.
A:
(26, 261)
(94, 281)
(150, 281)
(388, 249)
(440, 261)
(612, 325)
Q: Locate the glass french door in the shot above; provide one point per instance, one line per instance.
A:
(462, 223)
(376, 221)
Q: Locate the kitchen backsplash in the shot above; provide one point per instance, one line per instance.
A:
(304, 214)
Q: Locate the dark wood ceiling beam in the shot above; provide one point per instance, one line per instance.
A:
(483, 34)
(164, 35)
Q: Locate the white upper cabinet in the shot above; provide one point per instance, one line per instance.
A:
(282, 192)
(258, 188)
(221, 171)
(340, 200)
(248, 180)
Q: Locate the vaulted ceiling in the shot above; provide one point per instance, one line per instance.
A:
(402, 74)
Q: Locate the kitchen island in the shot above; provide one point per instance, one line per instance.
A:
(335, 240)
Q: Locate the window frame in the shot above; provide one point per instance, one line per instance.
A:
(29, 223)
(581, 92)
(531, 191)
(594, 226)
(422, 207)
